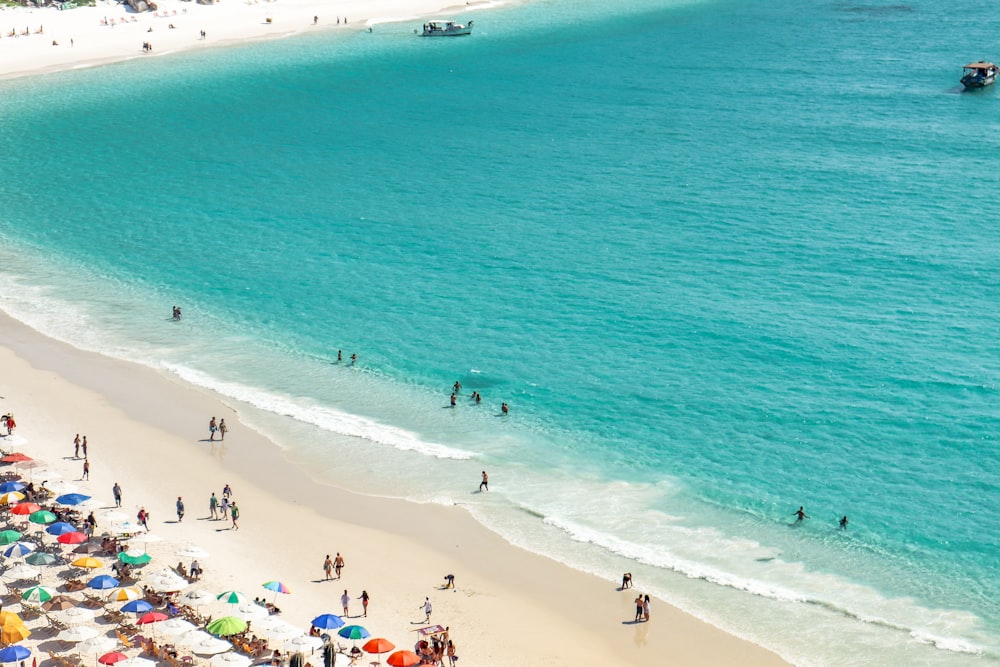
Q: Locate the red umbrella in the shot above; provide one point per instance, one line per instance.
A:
(112, 658)
(152, 617)
(25, 508)
(75, 537)
(16, 457)
(378, 645)
(403, 659)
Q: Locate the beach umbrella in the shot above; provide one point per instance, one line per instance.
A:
(251, 611)
(89, 548)
(151, 617)
(95, 645)
(137, 607)
(125, 594)
(42, 516)
(403, 659)
(353, 632)
(378, 645)
(198, 597)
(303, 643)
(11, 633)
(88, 562)
(18, 549)
(72, 499)
(76, 615)
(275, 628)
(230, 659)
(175, 626)
(75, 537)
(78, 633)
(38, 594)
(40, 558)
(194, 637)
(327, 622)
(112, 658)
(11, 497)
(102, 582)
(7, 617)
(136, 662)
(125, 528)
(14, 653)
(59, 603)
(16, 457)
(8, 487)
(133, 558)
(60, 528)
(166, 583)
(232, 597)
(114, 516)
(23, 509)
(191, 551)
(277, 587)
(210, 646)
(9, 537)
(22, 571)
(226, 626)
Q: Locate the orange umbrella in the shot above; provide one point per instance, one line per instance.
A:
(88, 562)
(16, 457)
(403, 659)
(378, 645)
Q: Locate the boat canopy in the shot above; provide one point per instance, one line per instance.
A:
(979, 65)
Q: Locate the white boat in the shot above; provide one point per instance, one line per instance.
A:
(979, 75)
(443, 28)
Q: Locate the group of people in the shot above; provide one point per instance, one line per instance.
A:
(219, 428)
(641, 601)
(475, 396)
(333, 565)
(439, 647)
(800, 516)
(226, 507)
(8, 422)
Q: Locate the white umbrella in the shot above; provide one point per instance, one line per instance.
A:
(191, 551)
(193, 637)
(198, 597)
(251, 611)
(22, 571)
(211, 646)
(78, 633)
(174, 626)
(76, 615)
(59, 488)
(149, 537)
(137, 662)
(46, 474)
(280, 633)
(272, 622)
(125, 528)
(99, 644)
(113, 516)
(230, 660)
(303, 643)
(166, 583)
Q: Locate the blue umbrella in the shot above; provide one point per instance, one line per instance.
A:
(328, 622)
(71, 498)
(18, 549)
(8, 487)
(137, 606)
(60, 528)
(102, 582)
(14, 653)
(353, 632)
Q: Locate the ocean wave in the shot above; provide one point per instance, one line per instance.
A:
(326, 418)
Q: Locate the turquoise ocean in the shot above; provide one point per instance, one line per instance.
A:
(721, 258)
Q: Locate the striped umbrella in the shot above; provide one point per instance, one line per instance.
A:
(11, 497)
(126, 594)
(18, 549)
(232, 597)
(38, 594)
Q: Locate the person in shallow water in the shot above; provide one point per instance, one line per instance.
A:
(843, 522)
(800, 514)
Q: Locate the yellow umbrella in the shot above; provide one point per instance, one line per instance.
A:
(125, 594)
(8, 617)
(88, 562)
(11, 497)
(14, 632)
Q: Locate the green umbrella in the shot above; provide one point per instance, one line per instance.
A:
(40, 558)
(232, 597)
(141, 559)
(227, 625)
(38, 594)
(42, 516)
(9, 537)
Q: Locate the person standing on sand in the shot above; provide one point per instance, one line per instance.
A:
(327, 568)
(222, 429)
(638, 607)
(211, 429)
(83, 446)
(364, 602)
(626, 580)
(213, 506)
(76, 446)
(426, 606)
(485, 484)
(116, 491)
(86, 469)
(234, 511)
(345, 601)
(338, 564)
(224, 506)
(180, 509)
(645, 608)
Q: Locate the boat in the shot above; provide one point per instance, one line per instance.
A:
(444, 28)
(979, 75)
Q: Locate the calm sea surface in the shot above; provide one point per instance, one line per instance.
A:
(722, 259)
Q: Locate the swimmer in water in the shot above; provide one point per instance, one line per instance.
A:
(843, 523)
(453, 400)
(800, 514)
(503, 408)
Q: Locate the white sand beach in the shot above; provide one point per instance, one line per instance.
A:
(148, 432)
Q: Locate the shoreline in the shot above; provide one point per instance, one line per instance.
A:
(509, 607)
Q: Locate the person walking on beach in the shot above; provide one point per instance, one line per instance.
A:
(143, 517)
(76, 446)
(226, 491)
(626, 580)
(800, 515)
(211, 429)
(86, 469)
(83, 446)
(485, 484)
(222, 429)
(345, 601)
(338, 564)
(180, 509)
(116, 491)
(364, 602)
(426, 606)
(327, 568)
(213, 506)
(224, 506)
(234, 511)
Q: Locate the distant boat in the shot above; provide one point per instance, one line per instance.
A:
(979, 75)
(446, 29)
